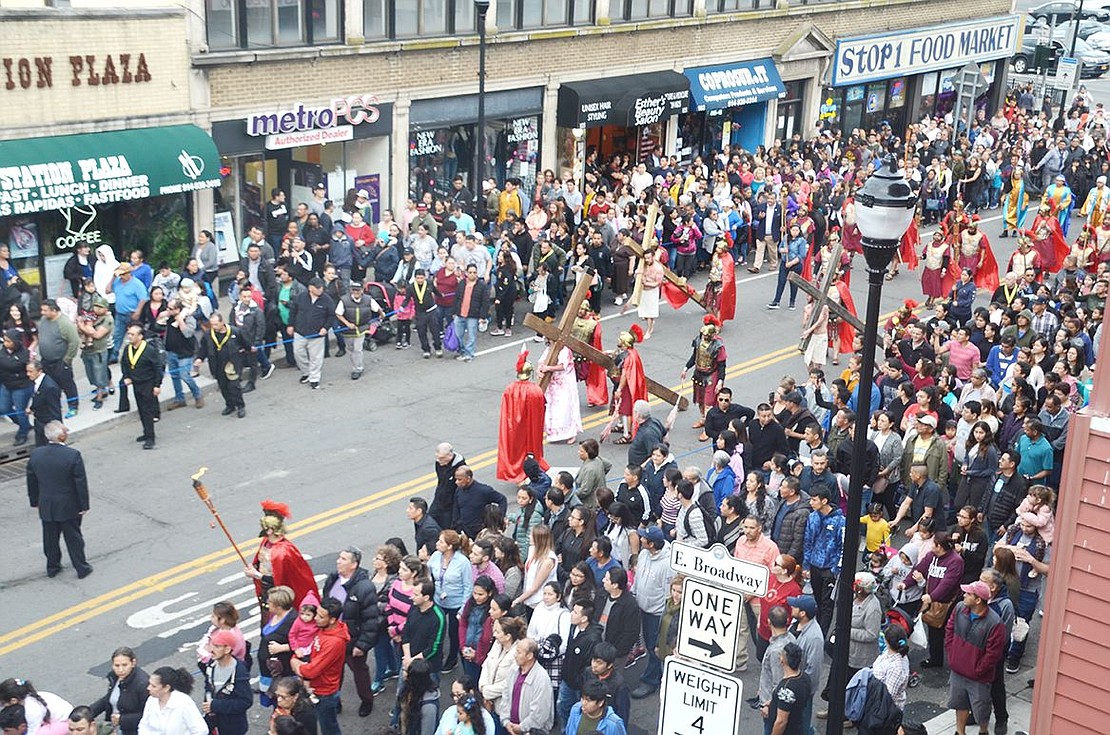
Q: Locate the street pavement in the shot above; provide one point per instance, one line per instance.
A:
(346, 459)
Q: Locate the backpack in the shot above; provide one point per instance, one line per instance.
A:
(710, 527)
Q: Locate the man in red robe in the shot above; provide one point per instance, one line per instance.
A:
(278, 562)
(1048, 239)
(521, 427)
(632, 383)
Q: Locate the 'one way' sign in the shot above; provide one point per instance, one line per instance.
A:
(710, 620)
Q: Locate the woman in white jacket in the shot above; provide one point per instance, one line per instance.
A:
(550, 629)
(492, 682)
(170, 710)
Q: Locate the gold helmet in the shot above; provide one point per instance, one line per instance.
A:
(523, 367)
(629, 338)
(273, 517)
(711, 326)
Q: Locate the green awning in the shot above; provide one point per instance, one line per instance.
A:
(41, 174)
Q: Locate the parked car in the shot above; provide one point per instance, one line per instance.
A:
(1060, 12)
(1093, 62)
(1099, 41)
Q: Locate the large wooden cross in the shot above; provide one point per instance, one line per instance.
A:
(822, 299)
(560, 336)
(649, 242)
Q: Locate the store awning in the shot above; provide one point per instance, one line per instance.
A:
(734, 85)
(628, 101)
(42, 174)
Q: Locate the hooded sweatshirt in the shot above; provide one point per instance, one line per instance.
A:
(329, 651)
(301, 633)
(896, 572)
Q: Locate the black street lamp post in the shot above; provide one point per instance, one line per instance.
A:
(884, 208)
(482, 7)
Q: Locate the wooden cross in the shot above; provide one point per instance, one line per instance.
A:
(649, 242)
(562, 331)
(560, 338)
(822, 298)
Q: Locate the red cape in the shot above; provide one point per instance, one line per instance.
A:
(636, 382)
(290, 569)
(727, 308)
(987, 275)
(521, 429)
(676, 296)
(846, 333)
(597, 382)
(907, 247)
(1055, 249)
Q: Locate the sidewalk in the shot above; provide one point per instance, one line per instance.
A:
(89, 418)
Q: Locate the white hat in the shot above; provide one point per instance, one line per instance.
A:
(1100, 180)
(363, 194)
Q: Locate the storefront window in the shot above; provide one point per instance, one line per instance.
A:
(946, 94)
(853, 107)
(897, 96)
(929, 92)
(437, 156)
(40, 244)
(789, 119)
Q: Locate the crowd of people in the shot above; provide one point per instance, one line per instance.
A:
(539, 609)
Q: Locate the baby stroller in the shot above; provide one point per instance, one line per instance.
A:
(898, 616)
(381, 330)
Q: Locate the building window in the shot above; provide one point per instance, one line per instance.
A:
(731, 6)
(272, 23)
(375, 20)
(553, 13)
(646, 9)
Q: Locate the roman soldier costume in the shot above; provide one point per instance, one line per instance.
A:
(587, 328)
(278, 562)
(709, 360)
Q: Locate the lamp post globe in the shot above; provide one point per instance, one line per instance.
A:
(885, 206)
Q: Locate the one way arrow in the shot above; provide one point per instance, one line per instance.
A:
(713, 647)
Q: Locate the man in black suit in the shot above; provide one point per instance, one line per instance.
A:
(46, 401)
(58, 487)
(142, 370)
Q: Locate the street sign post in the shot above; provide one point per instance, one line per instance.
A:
(1067, 69)
(697, 701)
(709, 623)
(717, 565)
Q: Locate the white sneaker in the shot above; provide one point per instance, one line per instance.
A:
(619, 300)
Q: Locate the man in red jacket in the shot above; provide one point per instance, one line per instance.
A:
(974, 642)
(324, 670)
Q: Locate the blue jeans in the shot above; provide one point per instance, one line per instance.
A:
(13, 403)
(467, 332)
(1026, 607)
(386, 660)
(326, 715)
(567, 697)
(649, 627)
(180, 370)
(119, 331)
(96, 368)
(784, 275)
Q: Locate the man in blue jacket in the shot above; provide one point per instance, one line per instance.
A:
(471, 498)
(598, 716)
(824, 546)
